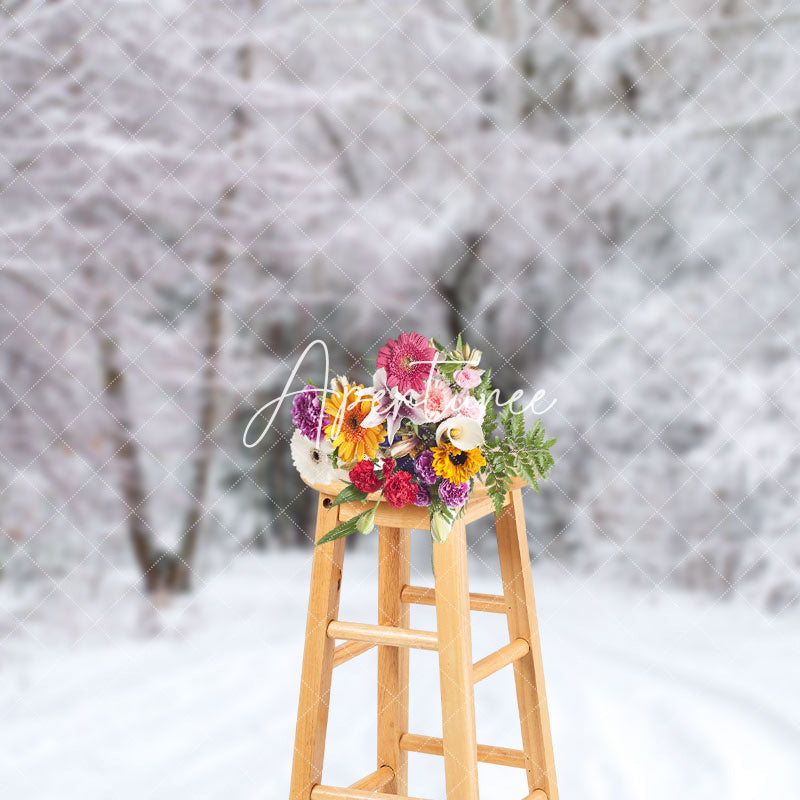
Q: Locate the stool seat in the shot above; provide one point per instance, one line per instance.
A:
(393, 637)
(413, 517)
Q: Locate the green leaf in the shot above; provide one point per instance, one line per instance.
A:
(448, 370)
(348, 494)
(343, 529)
(489, 422)
(346, 528)
(498, 495)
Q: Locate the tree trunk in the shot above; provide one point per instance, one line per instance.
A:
(214, 331)
(154, 564)
(507, 25)
(208, 415)
(459, 287)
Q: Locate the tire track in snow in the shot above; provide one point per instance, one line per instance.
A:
(717, 742)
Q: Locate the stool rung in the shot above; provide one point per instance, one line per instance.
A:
(383, 634)
(332, 793)
(503, 756)
(376, 781)
(422, 596)
(536, 795)
(499, 659)
(344, 652)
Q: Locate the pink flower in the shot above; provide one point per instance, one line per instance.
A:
(468, 377)
(405, 360)
(437, 402)
(403, 447)
(391, 406)
(468, 406)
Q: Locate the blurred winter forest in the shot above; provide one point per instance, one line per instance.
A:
(603, 197)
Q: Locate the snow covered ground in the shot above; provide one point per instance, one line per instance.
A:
(651, 695)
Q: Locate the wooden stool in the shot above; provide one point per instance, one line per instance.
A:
(453, 641)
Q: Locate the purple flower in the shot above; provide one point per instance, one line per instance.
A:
(453, 495)
(306, 412)
(423, 496)
(423, 466)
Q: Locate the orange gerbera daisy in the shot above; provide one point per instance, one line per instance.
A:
(347, 409)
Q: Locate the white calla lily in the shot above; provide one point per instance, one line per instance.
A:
(462, 432)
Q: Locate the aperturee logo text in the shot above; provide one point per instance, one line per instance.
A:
(429, 427)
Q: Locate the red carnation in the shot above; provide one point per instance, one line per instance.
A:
(399, 490)
(387, 467)
(364, 478)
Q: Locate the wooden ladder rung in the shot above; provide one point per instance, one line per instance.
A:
(500, 658)
(422, 596)
(503, 756)
(376, 781)
(383, 634)
(536, 795)
(333, 793)
(344, 652)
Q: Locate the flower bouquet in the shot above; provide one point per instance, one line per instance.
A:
(425, 431)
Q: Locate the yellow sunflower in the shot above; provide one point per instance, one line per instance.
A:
(457, 466)
(347, 409)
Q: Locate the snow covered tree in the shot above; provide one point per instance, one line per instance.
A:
(600, 197)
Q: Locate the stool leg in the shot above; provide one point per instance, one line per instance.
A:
(515, 568)
(393, 575)
(455, 665)
(315, 682)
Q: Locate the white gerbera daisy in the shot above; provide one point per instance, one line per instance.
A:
(312, 462)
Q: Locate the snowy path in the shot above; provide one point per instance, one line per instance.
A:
(649, 700)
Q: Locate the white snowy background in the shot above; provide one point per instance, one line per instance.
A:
(603, 197)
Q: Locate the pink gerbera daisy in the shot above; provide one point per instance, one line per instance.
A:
(407, 361)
